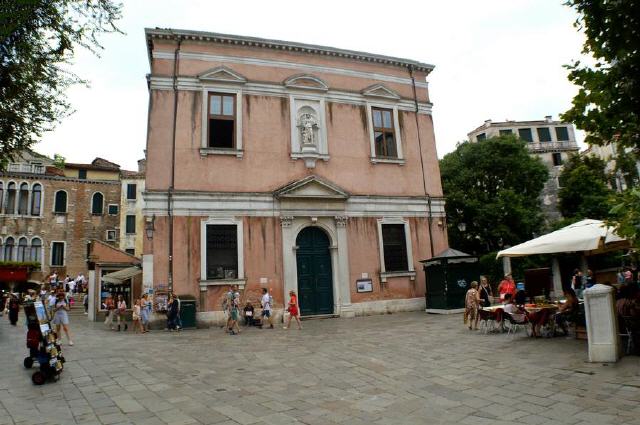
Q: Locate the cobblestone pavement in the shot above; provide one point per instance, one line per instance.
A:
(408, 368)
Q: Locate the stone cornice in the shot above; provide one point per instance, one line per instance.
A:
(171, 34)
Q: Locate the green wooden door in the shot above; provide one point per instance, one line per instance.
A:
(315, 284)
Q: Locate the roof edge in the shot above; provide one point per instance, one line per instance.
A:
(169, 33)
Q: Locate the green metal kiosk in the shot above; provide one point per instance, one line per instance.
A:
(449, 275)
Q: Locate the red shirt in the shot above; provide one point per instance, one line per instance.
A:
(507, 287)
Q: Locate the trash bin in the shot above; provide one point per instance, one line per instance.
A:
(188, 312)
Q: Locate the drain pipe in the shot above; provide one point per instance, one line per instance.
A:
(176, 59)
(424, 179)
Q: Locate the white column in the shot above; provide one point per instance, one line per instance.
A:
(557, 278)
(288, 256)
(92, 296)
(602, 324)
(506, 265)
(344, 284)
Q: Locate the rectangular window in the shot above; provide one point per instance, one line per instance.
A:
(222, 251)
(131, 251)
(557, 158)
(384, 133)
(222, 119)
(507, 132)
(57, 254)
(82, 174)
(130, 225)
(131, 191)
(113, 209)
(111, 235)
(395, 248)
(525, 134)
(544, 135)
(562, 134)
(480, 137)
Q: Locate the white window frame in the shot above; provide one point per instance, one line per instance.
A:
(396, 127)
(204, 144)
(407, 238)
(64, 254)
(113, 205)
(115, 235)
(213, 221)
(126, 195)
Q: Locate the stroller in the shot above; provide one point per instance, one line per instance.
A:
(42, 344)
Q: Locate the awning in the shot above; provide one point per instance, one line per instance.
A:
(121, 275)
(588, 236)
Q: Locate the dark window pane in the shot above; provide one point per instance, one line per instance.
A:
(60, 204)
(130, 251)
(222, 252)
(216, 107)
(557, 158)
(131, 191)
(10, 207)
(379, 141)
(562, 134)
(82, 174)
(130, 224)
(525, 134)
(113, 209)
(23, 199)
(36, 248)
(394, 247)
(36, 199)
(221, 133)
(97, 204)
(386, 119)
(507, 132)
(377, 118)
(22, 250)
(544, 135)
(57, 254)
(391, 145)
(8, 249)
(480, 137)
(227, 105)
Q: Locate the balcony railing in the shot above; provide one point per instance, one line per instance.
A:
(552, 146)
(26, 168)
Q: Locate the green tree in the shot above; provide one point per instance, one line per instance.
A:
(493, 187)
(584, 192)
(607, 105)
(37, 39)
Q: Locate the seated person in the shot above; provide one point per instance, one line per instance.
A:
(521, 298)
(567, 311)
(518, 313)
(248, 314)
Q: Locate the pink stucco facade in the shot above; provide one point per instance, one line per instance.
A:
(273, 182)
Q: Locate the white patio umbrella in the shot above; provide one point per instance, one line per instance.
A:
(587, 235)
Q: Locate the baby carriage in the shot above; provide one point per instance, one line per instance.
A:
(42, 344)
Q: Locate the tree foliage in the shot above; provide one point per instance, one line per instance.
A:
(493, 187)
(607, 105)
(584, 192)
(37, 39)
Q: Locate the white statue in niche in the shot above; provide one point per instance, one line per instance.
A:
(307, 124)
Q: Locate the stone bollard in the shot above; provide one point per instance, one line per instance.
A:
(602, 324)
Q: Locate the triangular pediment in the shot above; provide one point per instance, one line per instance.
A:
(311, 187)
(380, 90)
(306, 82)
(223, 74)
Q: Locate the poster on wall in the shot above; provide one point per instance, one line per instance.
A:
(364, 285)
(160, 297)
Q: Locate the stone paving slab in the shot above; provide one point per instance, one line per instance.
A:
(408, 368)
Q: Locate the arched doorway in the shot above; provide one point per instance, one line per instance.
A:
(315, 283)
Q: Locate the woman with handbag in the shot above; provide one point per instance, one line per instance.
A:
(121, 312)
(294, 311)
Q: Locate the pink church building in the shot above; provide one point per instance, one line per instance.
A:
(288, 166)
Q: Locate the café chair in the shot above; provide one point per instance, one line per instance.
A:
(515, 325)
(487, 321)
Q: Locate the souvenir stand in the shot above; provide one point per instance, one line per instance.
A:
(42, 343)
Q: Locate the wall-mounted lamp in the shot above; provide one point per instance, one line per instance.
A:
(149, 226)
(462, 227)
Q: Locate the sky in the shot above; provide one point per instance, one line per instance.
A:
(494, 59)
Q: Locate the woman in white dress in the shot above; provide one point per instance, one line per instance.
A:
(60, 316)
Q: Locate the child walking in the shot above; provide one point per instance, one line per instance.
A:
(136, 318)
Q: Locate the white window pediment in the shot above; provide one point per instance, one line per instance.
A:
(380, 90)
(222, 74)
(311, 187)
(306, 82)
